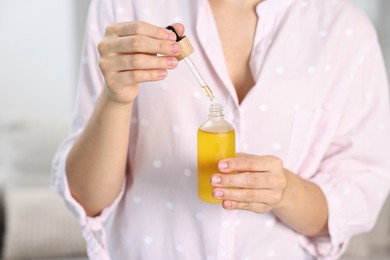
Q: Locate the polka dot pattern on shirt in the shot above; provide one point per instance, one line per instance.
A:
(279, 70)
(147, 11)
(276, 146)
(346, 191)
(349, 32)
(179, 248)
(269, 223)
(144, 122)
(148, 240)
(178, 19)
(169, 205)
(157, 164)
(311, 70)
(93, 27)
(187, 172)
(322, 33)
(137, 200)
(176, 129)
(297, 107)
(119, 10)
(199, 216)
(263, 108)
(197, 94)
(271, 254)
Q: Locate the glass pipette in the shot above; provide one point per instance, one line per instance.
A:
(201, 81)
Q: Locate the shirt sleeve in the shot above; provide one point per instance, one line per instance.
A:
(91, 82)
(354, 174)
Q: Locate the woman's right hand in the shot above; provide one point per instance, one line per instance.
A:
(128, 56)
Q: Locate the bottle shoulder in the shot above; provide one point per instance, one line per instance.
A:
(216, 126)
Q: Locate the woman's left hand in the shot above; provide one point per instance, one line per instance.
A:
(258, 184)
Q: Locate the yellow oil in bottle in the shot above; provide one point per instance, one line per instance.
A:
(216, 141)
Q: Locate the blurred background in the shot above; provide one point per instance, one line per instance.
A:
(40, 43)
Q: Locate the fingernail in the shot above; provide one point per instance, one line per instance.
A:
(218, 193)
(171, 36)
(223, 165)
(175, 47)
(162, 74)
(227, 204)
(172, 62)
(216, 179)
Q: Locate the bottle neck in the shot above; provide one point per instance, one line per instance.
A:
(216, 117)
(216, 112)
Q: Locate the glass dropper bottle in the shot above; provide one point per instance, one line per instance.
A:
(216, 141)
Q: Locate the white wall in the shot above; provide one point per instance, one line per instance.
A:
(37, 58)
(378, 11)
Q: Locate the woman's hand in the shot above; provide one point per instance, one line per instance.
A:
(262, 184)
(128, 56)
(258, 184)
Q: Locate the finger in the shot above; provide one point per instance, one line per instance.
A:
(256, 207)
(140, 28)
(128, 78)
(138, 44)
(251, 180)
(265, 196)
(246, 162)
(179, 28)
(137, 62)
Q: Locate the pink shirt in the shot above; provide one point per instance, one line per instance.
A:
(320, 103)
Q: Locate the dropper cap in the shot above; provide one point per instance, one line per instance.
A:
(186, 48)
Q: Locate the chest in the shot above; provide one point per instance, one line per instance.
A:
(236, 28)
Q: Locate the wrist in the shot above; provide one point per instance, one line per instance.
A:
(290, 193)
(110, 102)
(303, 206)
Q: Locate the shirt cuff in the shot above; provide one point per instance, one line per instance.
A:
(330, 246)
(93, 227)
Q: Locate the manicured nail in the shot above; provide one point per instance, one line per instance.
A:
(162, 74)
(218, 193)
(172, 62)
(171, 36)
(223, 165)
(175, 47)
(227, 204)
(216, 179)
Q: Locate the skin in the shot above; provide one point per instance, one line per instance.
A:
(128, 56)
(240, 18)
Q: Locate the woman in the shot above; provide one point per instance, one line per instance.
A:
(302, 82)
